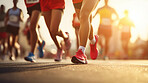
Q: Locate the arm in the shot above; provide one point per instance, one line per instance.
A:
(6, 18)
(120, 24)
(21, 15)
(114, 12)
(132, 24)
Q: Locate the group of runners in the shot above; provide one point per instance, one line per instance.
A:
(106, 14)
(52, 11)
(10, 24)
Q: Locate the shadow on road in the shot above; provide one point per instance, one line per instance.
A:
(21, 67)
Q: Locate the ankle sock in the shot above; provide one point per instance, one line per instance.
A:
(82, 48)
(93, 41)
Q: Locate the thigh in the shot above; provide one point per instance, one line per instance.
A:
(56, 16)
(14, 38)
(47, 18)
(35, 17)
(88, 6)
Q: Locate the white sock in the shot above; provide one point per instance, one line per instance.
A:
(82, 48)
(93, 41)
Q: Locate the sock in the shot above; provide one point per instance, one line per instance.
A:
(93, 41)
(82, 48)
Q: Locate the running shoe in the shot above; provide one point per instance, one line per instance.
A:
(67, 42)
(79, 58)
(59, 55)
(30, 57)
(93, 49)
(12, 58)
(106, 58)
(40, 48)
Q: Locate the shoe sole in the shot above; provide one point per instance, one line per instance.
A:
(56, 60)
(92, 57)
(12, 58)
(77, 61)
(29, 60)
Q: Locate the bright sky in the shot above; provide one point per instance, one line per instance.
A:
(137, 11)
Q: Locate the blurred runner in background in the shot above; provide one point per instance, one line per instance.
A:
(3, 34)
(125, 25)
(34, 11)
(52, 11)
(105, 28)
(13, 18)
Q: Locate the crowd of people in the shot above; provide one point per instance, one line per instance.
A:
(52, 11)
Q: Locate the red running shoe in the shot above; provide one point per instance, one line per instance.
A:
(79, 58)
(58, 57)
(93, 49)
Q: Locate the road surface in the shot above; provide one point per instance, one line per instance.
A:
(97, 71)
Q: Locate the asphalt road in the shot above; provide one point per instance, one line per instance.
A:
(97, 71)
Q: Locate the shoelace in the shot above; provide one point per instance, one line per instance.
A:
(80, 53)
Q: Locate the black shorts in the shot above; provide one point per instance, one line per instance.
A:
(12, 30)
(2, 29)
(77, 5)
(35, 7)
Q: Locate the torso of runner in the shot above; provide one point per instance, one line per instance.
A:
(126, 25)
(105, 16)
(14, 17)
(2, 17)
(30, 3)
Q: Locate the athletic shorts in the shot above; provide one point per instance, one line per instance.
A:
(77, 1)
(125, 35)
(32, 8)
(12, 30)
(2, 29)
(3, 35)
(47, 5)
(77, 5)
(106, 31)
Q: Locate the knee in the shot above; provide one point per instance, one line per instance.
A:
(84, 15)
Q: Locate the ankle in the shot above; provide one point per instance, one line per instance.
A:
(93, 41)
(82, 48)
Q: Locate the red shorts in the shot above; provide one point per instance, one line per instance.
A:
(47, 5)
(77, 1)
(3, 35)
(125, 35)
